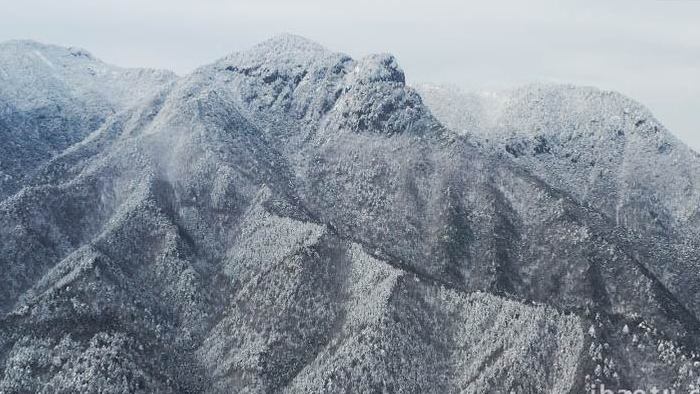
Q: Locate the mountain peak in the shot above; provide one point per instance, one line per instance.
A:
(288, 41)
(27, 46)
(23, 43)
(283, 48)
(381, 67)
(330, 90)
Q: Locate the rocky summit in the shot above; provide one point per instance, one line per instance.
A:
(290, 219)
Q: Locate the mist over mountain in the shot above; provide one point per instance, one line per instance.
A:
(53, 97)
(290, 219)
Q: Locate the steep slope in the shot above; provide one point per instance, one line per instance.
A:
(52, 97)
(607, 152)
(291, 219)
(605, 149)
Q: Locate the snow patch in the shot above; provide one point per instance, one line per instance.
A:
(44, 59)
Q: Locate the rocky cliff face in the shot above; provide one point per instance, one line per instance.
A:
(291, 219)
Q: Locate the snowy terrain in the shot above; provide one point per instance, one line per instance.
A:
(290, 219)
(52, 97)
(605, 149)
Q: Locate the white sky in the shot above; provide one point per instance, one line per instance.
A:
(649, 50)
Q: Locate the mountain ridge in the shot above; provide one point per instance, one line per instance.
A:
(264, 225)
(616, 140)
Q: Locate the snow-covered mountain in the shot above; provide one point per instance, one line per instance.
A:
(291, 219)
(605, 149)
(53, 97)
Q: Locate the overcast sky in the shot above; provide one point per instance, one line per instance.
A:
(649, 50)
